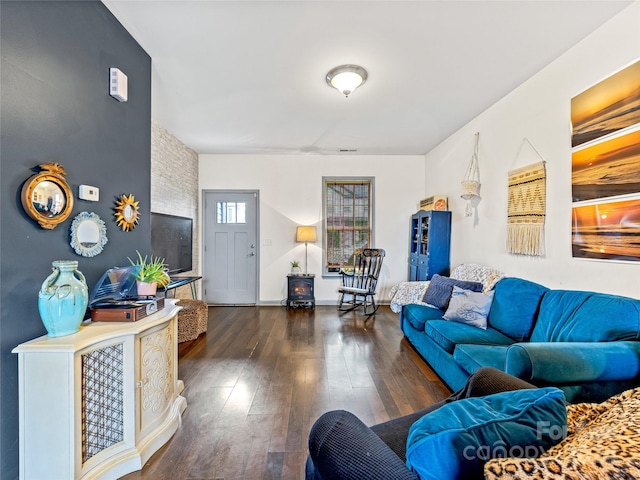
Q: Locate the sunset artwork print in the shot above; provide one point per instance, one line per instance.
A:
(607, 107)
(607, 231)
(606, 169)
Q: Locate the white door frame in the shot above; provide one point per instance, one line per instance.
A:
(257, 226)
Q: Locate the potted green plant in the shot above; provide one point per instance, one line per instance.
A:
(152, 271)
(295, 266)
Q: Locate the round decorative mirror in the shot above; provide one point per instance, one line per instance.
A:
(88, 234)
(127, 212)
(46, 196)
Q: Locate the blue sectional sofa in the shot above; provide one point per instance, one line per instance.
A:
(585, 343)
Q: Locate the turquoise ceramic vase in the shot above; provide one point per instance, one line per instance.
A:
(63, 299)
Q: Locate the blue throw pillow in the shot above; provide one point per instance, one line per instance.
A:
(440, 288)
(455, 441)
(469, 307)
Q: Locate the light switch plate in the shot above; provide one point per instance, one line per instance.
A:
(87, 192)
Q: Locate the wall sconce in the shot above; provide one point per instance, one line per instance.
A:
(306, 234)
(346, 78)
(471, 181)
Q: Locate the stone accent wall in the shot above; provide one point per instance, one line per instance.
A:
(174, 187)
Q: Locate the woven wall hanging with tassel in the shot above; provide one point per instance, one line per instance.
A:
(526, 210)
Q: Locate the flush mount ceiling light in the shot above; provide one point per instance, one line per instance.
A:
(346, 78)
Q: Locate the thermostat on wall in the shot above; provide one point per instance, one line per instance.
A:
(118, 84)
(87, 192)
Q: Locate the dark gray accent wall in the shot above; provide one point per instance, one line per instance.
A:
(55, 107)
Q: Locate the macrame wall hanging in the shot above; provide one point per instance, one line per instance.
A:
(526, 210)
(471, 181)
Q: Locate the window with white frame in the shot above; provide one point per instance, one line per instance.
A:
(348, 220)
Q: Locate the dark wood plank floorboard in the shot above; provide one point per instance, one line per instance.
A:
(261, 376)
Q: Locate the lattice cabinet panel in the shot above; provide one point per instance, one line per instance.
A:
(102, 400)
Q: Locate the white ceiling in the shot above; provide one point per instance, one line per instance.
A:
(249, 76)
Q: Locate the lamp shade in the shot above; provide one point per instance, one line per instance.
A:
(306, 234)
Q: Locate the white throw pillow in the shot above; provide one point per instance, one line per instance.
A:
(469, 307)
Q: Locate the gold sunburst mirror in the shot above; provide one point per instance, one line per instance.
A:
(127, 212)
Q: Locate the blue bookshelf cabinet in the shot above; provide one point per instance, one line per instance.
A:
(429, 244)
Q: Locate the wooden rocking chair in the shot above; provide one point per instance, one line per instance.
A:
(359, 285)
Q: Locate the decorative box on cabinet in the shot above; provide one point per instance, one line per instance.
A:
(429, 244)
(97, 404)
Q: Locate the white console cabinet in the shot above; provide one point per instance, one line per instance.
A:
(97, 404)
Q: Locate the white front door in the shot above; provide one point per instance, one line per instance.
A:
(230, 230)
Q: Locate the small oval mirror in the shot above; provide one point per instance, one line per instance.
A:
(88, 234)
(128, 213)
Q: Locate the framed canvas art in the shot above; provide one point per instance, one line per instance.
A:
(606, 107)
(606, 169)
(607, 230)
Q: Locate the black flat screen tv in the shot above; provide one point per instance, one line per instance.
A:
(172, 239)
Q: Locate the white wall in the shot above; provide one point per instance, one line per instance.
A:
(291, 194)
(538, 110)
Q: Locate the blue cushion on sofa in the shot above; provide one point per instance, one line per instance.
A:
(449, 334)
(472, 357)
(439, 290)
(417, 315)
(568, 316)
(455, 441)
(515, 305)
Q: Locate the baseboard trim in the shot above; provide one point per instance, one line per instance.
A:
(282, 303)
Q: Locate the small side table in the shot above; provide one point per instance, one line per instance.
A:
(300, 290)
(179, 282)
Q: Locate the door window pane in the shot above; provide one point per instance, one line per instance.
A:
(231, 212)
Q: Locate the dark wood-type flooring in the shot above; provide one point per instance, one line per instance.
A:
(260, 377)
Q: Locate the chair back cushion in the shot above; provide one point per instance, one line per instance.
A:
(577, 316)
(456, 440)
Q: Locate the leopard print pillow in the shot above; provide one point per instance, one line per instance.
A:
(603, 441)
